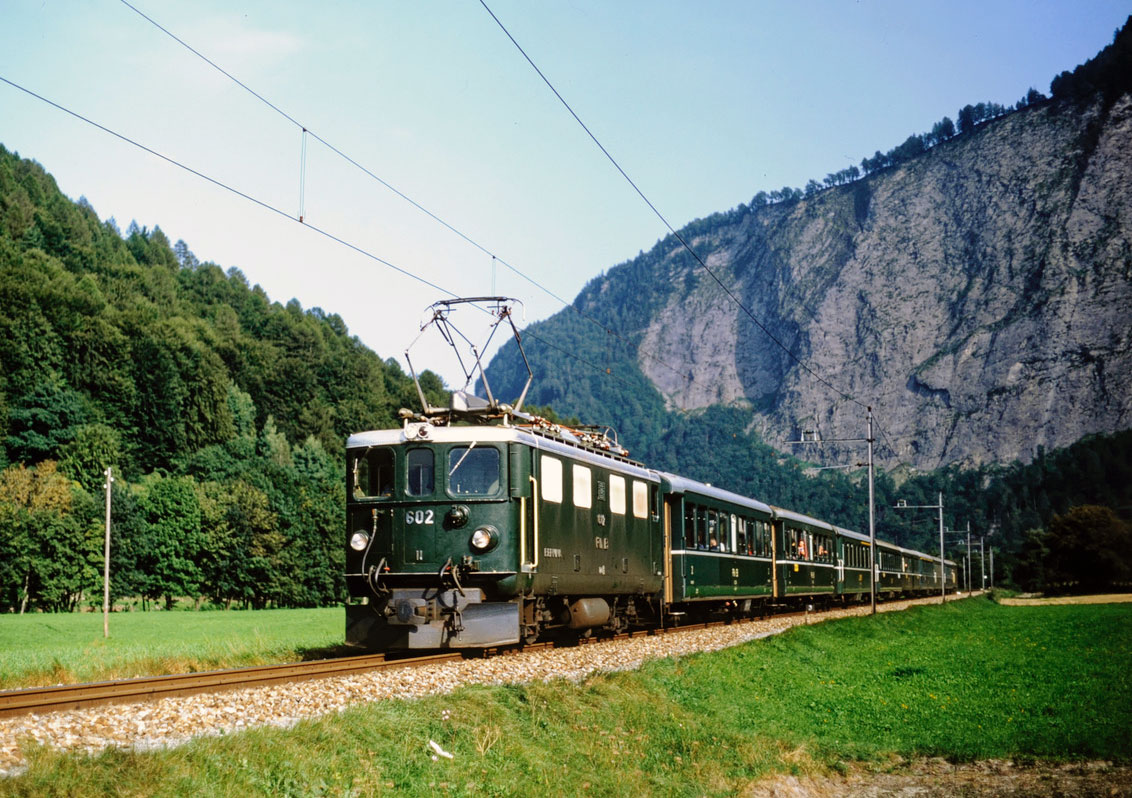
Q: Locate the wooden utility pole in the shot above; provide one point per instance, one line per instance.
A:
(106, 561)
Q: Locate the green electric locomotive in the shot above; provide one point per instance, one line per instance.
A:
(477, 536)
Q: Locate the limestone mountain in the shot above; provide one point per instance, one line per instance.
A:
(977, 295)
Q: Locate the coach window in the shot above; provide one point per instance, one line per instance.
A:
(712, 530)
(420, 482)
(473, 471)
(616, 494)
(741, 536)
(689, 525)
(551, 470)
(701, 527)
(373, 474)
(583, 487)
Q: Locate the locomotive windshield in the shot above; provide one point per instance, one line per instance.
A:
(420, 472)
(373, 474)
(472, 471)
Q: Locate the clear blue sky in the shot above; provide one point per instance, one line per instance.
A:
(703, 103)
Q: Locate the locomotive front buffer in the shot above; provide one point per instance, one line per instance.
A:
(433, 619)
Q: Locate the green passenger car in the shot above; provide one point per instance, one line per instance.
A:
(720, 547)
(853, 580)
(805, 555)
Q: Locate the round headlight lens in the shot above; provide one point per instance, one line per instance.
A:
(484, 538)
(359, 541)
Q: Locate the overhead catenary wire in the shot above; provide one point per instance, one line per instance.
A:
(738, 302)
(278, 211)
(451, 228)
(223, 185)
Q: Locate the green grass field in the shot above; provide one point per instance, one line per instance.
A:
(969, 680)
(40, 649)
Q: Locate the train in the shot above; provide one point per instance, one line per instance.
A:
(477, 525)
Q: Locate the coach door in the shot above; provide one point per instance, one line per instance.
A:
(671, 510)
(842, 550)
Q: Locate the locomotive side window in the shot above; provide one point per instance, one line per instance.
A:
(472, 471)
(583, 487)
(616, 494)
(421, 472)
(373, 474)
(640, 499)
(551, 479)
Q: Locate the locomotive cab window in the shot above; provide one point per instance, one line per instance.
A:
(420, 472)
(473, 471)
(373, 474)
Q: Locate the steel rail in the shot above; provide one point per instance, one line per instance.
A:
(80, 696)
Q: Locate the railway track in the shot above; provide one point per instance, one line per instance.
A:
(40, 700)
(80, 696)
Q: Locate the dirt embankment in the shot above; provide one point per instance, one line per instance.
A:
(1035, 601)
(937, 778)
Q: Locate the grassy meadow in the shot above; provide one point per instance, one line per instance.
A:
(969, 680)
(53, 648)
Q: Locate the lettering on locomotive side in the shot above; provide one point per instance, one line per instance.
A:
(601, 543)
(552, 553)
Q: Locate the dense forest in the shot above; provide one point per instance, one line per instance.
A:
(222, 415)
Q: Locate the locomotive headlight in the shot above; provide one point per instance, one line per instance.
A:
(485, 538)
(359, 541)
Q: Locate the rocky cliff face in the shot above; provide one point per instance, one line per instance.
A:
(978, 297)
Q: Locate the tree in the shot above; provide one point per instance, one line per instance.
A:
(86, 457)
(966, 118)
(1090, 549)
(1030, 571)
(42, 421)
(943, 129)
(47, 539)
(241, 544)
(168, 554)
